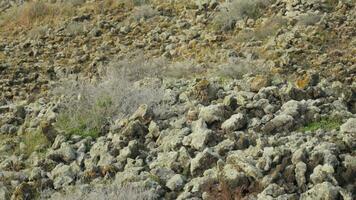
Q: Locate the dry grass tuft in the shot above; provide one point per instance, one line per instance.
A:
(238, 9)
(36, 12)
(90, 107)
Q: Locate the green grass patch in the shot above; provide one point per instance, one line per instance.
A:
(34, 141)
(326, 123)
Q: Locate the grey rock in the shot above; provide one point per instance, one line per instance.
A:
(233, 177)
(166, 160)
(322, 173)
(324, 191)
(176, 183)
(279, 123)
(200, 136)
(4, 192)
(349, 126)
(213, 113)
(8, 129)
(272, 191)
(300, 170)
(235, 122)
(203, 161)
(64, 154)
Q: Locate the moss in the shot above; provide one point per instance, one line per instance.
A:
(326, 123)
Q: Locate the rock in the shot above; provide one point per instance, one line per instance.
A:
(323, 173)
(279, 123)
(235, 122)
(65, 154)
(144, 113)
(233, 177)
(349, 126)
(323, 191)
(36, 174)
(173, 139)
(58, 141)
(203, 161)
(63, 175)
(300, 170)
(23, 191)
(246, 164)
(166, 160)
(153, 129)
(176, 183)
(8, 129)
(4, 192)
(270, 192)
(258, 82)
(130, 151)
(213, 113)
(134, 129)
(200, 136)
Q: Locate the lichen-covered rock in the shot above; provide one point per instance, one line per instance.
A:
(200, 136)
(203, 161)
(213, 113)
(349, 126)
(325, 191)
(176, 183)
(235, 122)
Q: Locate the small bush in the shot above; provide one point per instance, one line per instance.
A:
(75, 28)
(89, 108)
(326, 123)
(35, 12)
(309, 19)
(237, 9)
(143, 12)
(237, 70)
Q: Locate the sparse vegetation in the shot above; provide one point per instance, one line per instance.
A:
(325, 123)
(238, 69)
(309, 19)
(143, 12)
(34, 12)
(90, 107)
(235, 10)
(34, 141)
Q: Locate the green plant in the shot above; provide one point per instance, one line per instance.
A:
(34, 141)
(326, 123)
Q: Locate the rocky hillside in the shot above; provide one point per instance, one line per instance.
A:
(180, 99)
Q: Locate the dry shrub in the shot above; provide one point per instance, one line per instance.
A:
(240, 68)
(309, 19)
(90, 107)
(269, 27)
(143, 12)
(238, 9)
(34, 12)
